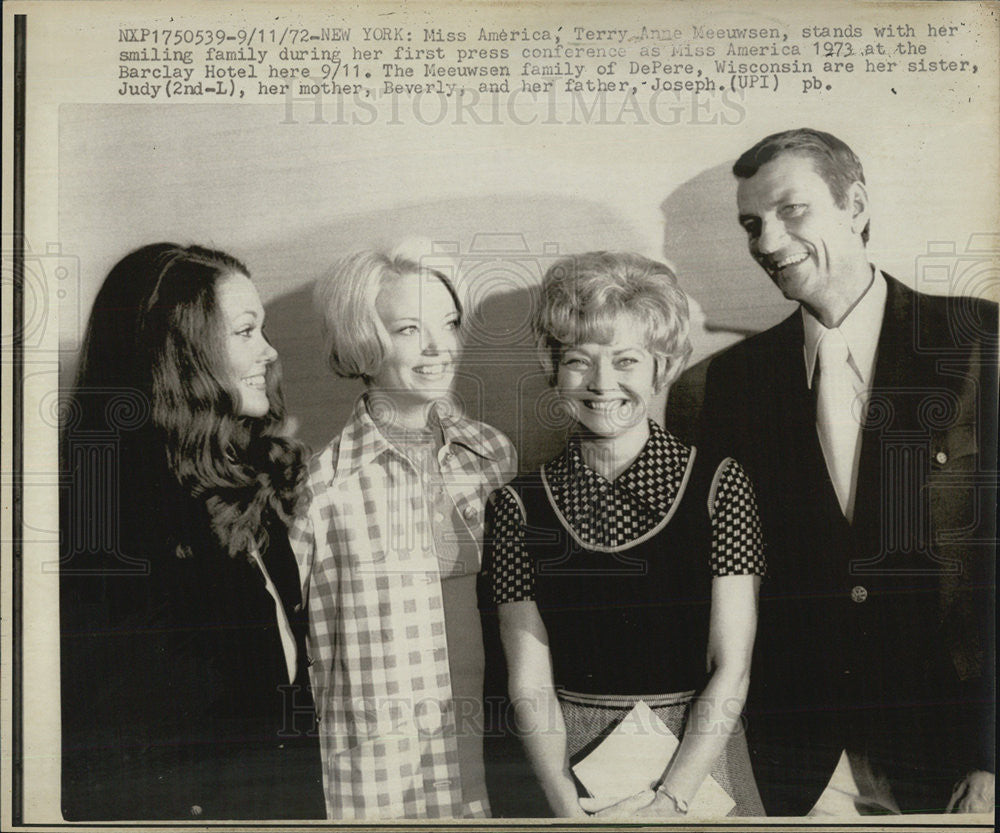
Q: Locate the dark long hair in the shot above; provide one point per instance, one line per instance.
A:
(155, 334)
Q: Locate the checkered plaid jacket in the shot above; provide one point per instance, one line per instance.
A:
(369, 569)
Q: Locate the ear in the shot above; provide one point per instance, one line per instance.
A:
(857, 201)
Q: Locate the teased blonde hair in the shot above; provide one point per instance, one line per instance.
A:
(584, 295)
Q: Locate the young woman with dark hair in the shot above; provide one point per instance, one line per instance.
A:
(184, 690)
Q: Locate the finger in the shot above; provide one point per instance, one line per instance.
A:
(967, 805)
(629, 806)
(601, 803)
(976, 801)
(956, 795)
(594, 805)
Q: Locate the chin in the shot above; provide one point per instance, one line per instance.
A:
(432, 393)
(618, 430)
(795, 287)
(605, 430)
(434, 387)
(255, 410)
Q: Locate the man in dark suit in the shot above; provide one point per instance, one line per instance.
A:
(867, 421)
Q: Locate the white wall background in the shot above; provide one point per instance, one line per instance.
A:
(288, 198)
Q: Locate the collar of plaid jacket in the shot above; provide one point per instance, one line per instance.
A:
(362, 442)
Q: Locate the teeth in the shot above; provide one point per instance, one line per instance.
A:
(430, 369)
(254, 382)
(791, 260)
(610, 405)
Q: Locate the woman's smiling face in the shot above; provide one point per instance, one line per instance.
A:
(608, 387)
(247, 350)
(419, 314)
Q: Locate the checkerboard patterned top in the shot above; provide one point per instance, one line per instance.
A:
(377, 634)
(613, 516)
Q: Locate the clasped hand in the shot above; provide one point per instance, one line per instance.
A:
(973, 794)
(645, 803)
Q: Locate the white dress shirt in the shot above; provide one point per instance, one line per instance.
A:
(860, 329)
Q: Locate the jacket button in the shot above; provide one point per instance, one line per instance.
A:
(469, 513)
(858, 594)
(196, 810)
(941, 457)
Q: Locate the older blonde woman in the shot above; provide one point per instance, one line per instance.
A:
(628, 559)
(391, 549)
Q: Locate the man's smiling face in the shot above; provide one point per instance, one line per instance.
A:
(796, 231)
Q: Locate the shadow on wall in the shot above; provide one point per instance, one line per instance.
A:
(704, 241)
(702, 238)
(500, 248)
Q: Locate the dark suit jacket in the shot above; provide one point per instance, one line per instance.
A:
(175, 694)
(876, 635)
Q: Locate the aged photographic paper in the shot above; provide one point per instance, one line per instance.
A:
(484, 140)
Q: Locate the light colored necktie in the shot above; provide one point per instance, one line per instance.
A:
(836, 417)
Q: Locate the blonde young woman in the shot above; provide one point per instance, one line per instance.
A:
(391, 549)
(628, 567)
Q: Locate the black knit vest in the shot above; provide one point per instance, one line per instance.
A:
(632, 621)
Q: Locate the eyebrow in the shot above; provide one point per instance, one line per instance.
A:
(452, 314)
(789, 192)
(579, 348)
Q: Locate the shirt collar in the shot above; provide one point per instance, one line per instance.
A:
(460, 430)
(860, 329)
(653, 478)
(361, 441)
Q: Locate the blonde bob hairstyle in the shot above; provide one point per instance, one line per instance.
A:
(584, 296)
(355, 340)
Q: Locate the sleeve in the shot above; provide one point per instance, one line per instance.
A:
(310, 539)
(721, 419)
(505, 454)
(509, 572)
(737, 540)
(302, 538)
(508, 457)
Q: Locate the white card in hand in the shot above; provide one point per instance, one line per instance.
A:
(634, 756)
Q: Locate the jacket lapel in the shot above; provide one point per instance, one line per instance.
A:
(902, 373)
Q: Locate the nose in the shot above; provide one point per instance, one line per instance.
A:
(269, 354)
(772, 236)
(601, 378)
(437, 340)
(431, 340)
